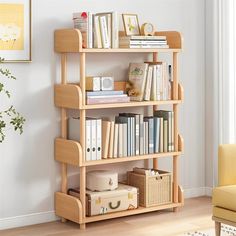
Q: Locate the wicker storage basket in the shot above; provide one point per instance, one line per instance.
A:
(153, 190)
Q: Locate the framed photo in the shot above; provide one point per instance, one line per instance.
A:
(131, 24)
(15, 30)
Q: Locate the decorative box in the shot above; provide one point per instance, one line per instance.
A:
(101, 180)
(153, 190)
(123, 198)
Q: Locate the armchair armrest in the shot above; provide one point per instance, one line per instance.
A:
(227, 164)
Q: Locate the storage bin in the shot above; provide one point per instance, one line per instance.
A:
(97, 203)
(153, 190)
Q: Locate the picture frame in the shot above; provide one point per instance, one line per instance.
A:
(15, 30)
(131, 24)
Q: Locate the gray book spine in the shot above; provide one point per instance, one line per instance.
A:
(125, 144)
(137, 134)
(151, 135)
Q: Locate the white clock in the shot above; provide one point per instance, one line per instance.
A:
(147, 29)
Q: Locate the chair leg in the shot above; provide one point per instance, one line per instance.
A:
(217, 228)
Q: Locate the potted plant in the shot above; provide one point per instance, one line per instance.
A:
(8, 117)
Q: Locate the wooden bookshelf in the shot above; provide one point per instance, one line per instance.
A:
(70, 152)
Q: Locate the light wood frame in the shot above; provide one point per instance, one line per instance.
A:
(125, 26)
(73, 153)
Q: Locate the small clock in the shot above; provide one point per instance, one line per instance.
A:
(147, 29)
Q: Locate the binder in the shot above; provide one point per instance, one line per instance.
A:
(93, 134)
(156, 134)
(141, 135)
(125, 143)
(88, 155)
(99, 139)
(120, 140)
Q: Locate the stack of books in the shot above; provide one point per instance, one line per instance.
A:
(132, 134)
(99, 30)
(105, 97)
(139, 41)
(93, 140)
(149, 81)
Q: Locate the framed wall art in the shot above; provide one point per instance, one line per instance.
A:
(15, 30)
(131, 24)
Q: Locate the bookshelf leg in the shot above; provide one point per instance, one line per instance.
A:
(175, 209)
(175, 179)
(82, 226)
(63, 220)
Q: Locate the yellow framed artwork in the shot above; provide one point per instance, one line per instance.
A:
(15, 30)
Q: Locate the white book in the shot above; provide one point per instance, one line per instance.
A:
(125, 140)
(94, 139)
(172, 132)
(115, 145)
(161, 138)
(159, 81)
(90, 30)
(109, 27)
(120, 140)
(99, 139)
(154, 84)
(115, 30)
(165, 81)
(144, 139)
(104, 32)
(147, 91)
(141, 135)
(111, 140)
(97, 33)
(74, 134)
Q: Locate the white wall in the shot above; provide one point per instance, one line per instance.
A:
(29, 176)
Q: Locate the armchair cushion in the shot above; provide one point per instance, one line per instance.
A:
(225, 197)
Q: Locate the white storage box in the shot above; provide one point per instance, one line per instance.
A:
(123, 198)
(101, 180)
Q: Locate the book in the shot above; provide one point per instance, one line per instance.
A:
(142, 37)
(99, 146)
(115, 145)
(107, 100)
(147, 92)
(126, 120)
(145, 46)
(150, 134)
(104, 93)
(154, 84)
(94, 139)
(141, 135)
(104, 31)
(137, 80)
(165, 136)
(143, 42)
(146, 146)
(161, 137)
(115, 30)
(97, 33)
(74, 134)
(111, 140)
(156, 134)
(120, 140)
(125, 139)
(106, 129)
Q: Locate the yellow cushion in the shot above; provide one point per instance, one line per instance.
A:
(225, 197)
(224, 214)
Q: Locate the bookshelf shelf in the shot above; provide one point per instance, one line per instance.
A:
(73, 96)
(70, 152)
(70, 96)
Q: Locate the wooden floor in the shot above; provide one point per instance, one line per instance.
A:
(196, 214)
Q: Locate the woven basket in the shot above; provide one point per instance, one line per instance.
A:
(153, 190)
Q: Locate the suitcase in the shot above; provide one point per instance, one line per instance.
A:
(101, 180)
(125, 197)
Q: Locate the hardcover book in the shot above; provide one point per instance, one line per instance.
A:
(137, 80)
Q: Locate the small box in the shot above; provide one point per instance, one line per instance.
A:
(153, 190)
(97, 203)
(93, 83)
(107, 83)
(101, 180)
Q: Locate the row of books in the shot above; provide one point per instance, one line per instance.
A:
(139, 41)
(129, 135)
(99, 30)
(149, 81)
(104, 97)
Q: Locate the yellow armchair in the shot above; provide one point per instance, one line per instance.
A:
(224, 196)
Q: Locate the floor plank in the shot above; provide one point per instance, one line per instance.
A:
(195, 215)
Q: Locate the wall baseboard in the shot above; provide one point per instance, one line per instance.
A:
(25, 220)
(49, 216)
